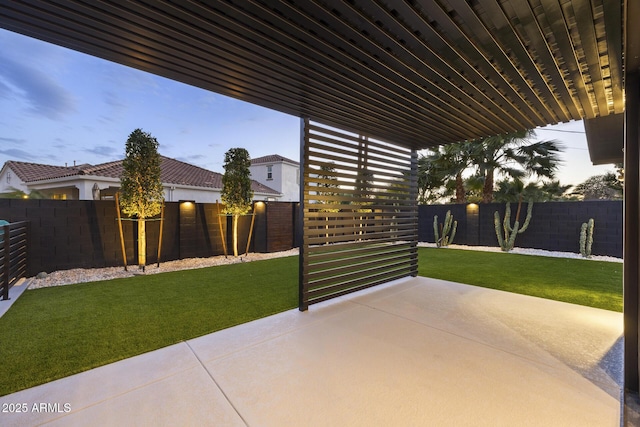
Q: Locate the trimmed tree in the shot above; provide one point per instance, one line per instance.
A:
(236, 188)
(140, 184)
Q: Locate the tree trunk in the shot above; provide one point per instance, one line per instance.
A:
(487, 190)
(460, 193)
(142, 244)
(235, 235)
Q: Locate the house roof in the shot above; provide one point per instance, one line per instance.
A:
(272, 158)
(172, 172)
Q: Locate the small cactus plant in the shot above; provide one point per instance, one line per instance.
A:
(586, 238)
(510, 232)
(441, 231)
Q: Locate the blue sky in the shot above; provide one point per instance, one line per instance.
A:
(58, 106)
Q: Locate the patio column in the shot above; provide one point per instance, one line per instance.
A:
(631, 231)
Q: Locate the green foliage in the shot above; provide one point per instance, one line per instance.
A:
(51, 333)
(511, 155)
(577, 281)
(586, 238)
(237, 194)
(19, 194)
(599, 187)
(441, 232)
(512, 190)
(140, 184)
(510, 232)
(443, 168)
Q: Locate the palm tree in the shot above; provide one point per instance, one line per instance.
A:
(554, 190)
(512, 155)
(447, 163)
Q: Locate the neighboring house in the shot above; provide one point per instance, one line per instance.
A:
(181, 181)
(279, 173)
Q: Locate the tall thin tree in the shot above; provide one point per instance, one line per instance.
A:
(141, 185)
(236, 188)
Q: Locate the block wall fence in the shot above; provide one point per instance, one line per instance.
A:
(69, 234)
(555, 226)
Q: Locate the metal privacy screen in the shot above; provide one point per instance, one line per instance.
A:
(360, 216)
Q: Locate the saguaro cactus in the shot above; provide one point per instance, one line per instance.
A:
(586, 238)
(507, 240)
(441, 231)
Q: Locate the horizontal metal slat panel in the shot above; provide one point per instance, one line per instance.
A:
(336, 238)
(322, 294)
(356, 231)
(339, 268)
(329, 252)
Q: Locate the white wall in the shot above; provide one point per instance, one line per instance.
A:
(290, 183)
(284, 179)
(9, 181)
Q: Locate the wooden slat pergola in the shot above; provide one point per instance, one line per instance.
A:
(409, 74)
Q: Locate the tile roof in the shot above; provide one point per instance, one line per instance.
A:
(35, 172)
(172, 172)
(273, 158)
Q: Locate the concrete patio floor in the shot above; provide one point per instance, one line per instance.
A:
(419, 351)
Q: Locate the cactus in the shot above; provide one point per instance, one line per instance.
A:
(510, 232)
(442, 236)
(586, 238)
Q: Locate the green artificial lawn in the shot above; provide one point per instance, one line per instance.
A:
(54, 332)
(585, 282)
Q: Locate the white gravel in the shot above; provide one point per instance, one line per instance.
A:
(528, 251)
(82, 275)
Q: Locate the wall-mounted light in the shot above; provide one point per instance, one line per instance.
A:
(472, 208)
(187, 204)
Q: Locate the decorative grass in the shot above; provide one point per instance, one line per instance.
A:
(592, 283)
(54, 332)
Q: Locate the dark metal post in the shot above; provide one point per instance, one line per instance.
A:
(413, 194)
(302, 257)
(631, 231)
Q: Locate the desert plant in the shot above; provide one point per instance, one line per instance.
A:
(586, 238)
(142, 193)
(510, 232)
(237, 194)
(441, 232)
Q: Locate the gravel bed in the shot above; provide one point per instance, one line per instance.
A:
(83, 275)
(528, 251)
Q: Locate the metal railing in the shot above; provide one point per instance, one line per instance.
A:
(14, 239)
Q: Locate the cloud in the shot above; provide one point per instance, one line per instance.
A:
(102, 150)
(44, 95)
(192, 158)
(13, 140)
(18, 154)
(113, 100)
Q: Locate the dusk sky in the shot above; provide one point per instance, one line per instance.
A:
(58, 106)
